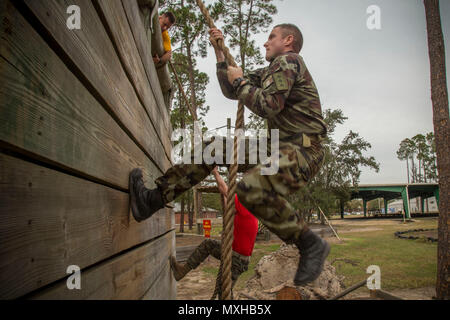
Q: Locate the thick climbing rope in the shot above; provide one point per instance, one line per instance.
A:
(228, 218)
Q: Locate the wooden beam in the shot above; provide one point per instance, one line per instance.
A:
(128, 276)
(92, 57)
(208, 189)
(49, 114)
(50, 220)
(350, 289)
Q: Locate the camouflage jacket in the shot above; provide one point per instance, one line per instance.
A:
(284, 93)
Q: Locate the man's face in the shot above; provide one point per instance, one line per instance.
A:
(275, 45)
(164, 22)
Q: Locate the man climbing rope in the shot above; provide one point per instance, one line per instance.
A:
(284, 93)
(166, 21)
(245, 230)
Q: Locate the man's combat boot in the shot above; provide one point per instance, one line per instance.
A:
(179, 270)
(313, 252)
(144, 202)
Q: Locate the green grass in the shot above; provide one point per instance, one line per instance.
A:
(403, 263)
(211, 271)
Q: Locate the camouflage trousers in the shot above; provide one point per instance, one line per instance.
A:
(265, 196)
(239, 263)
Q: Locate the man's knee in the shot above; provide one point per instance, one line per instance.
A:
(247, 194)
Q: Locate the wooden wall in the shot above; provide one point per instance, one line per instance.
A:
(79, 109)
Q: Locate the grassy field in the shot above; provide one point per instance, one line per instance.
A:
(403, 263)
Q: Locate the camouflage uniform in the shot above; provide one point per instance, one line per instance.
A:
(239, 263)
(284, 93)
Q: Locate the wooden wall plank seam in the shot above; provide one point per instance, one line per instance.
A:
(46, 111)
(90, 50)
(50, 220)
(115, 21)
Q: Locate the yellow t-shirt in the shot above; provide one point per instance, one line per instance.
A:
(166, 41)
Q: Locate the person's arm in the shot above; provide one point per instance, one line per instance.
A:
(223, 188)
(166, 57)
(226, 87)
(269, 100)
(252, 77)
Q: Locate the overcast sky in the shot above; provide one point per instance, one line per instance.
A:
(379, 78)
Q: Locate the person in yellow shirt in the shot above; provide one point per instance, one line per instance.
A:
(166, 21)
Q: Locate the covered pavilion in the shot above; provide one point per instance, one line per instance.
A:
(368, 192)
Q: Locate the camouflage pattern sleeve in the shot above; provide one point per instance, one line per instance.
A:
(268, 98)
(253, 77)
(225, 85)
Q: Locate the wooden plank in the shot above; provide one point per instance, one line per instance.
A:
(49, 113)
(117, 23)
(143, 45)
(127, 276)
(165, 280)
(50, 220)
(93, 59)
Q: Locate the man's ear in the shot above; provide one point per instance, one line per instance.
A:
(289, 40)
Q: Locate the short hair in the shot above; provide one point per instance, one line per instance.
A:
(291, 29)
(171, 16)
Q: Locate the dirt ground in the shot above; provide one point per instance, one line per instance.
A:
(199, 283)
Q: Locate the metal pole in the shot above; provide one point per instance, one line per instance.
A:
(407, 197)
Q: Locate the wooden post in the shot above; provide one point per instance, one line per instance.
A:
(352, 288)
(329, 224)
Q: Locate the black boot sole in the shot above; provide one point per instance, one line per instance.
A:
(325, 253)
(133, 201)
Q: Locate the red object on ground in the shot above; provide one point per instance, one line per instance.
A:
(245, 230)
(207, 228)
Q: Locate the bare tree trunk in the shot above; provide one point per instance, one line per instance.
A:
(194, 106)
(439, 97)
(407, 168)
(182, 216)
(190, 214)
